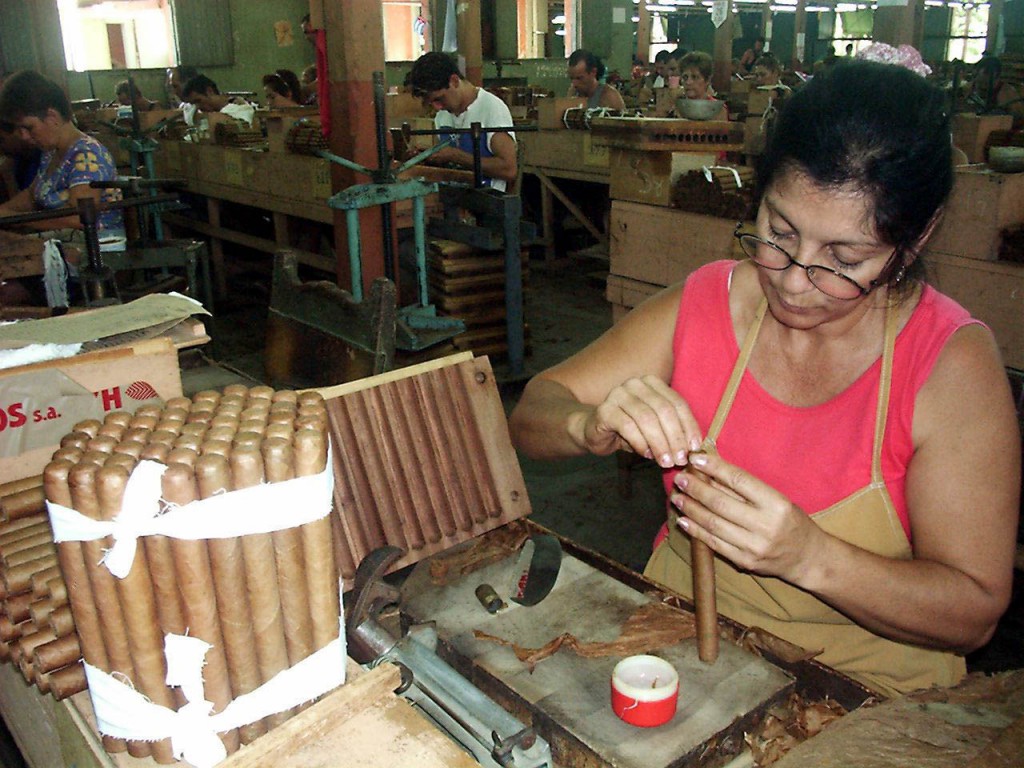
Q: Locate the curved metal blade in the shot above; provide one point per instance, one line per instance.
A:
(537, 569)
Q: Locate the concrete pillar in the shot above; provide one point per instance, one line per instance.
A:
(643, 33)
(995, 13)
(796, 61)
(355, 50)
(722, 72)
(467, 15)
(900, 24)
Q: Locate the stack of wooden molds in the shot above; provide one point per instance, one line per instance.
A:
(469, 284)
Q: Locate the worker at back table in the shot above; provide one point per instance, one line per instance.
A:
(437, 81)
(280, 90)
(40, 113)
(123, 94)
(585, 73)
(204, 93)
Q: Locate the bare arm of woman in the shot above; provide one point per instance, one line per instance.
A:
(22, 202)
(612, 395)
(963, 496)
(75, 193)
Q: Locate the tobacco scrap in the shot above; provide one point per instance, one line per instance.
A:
(755, 640)
(484, 550)
(652, 626)
(787, 725)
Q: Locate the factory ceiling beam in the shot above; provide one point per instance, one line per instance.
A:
(355, 50)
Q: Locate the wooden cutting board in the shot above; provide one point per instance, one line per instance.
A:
(567, 695)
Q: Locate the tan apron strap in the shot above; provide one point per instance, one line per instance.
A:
(725, 404)
(892, 317)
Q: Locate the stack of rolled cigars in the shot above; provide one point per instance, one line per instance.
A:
(263, 602)
(37, 632)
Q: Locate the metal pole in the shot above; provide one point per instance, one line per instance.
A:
(383, 162)
(419, 235)
(355, 263)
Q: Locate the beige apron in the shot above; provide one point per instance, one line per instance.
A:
(866, 519)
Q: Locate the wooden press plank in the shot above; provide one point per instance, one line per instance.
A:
(361, 723)
(400, 373)
(422, 461)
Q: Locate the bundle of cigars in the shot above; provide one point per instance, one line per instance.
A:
(37, 631)
(262, 601)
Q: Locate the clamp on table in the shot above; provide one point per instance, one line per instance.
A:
(98, 284)
(493, 736)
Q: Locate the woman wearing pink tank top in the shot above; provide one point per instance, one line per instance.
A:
(840, 435)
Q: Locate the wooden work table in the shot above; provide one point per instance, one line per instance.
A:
(362, 717)
(366, 721)
(286, 185)
(556, 154)
(20, 255)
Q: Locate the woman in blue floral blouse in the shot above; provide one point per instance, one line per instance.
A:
(39, 111)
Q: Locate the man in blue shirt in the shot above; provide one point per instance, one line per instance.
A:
(437, 81)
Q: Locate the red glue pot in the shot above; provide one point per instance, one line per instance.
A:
(645, 690)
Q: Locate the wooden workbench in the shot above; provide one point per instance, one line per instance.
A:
(362, 718)
(553, 155)
(20, 255)
(286, 185)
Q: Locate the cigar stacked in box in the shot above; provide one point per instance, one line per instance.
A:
(37, 632)
(262, 601)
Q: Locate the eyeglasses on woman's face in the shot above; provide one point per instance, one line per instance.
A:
(831, 282)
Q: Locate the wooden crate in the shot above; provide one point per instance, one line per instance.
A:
(403, 105)
(623, 294)
(992, 291)
(551, 110)
(665, 101)
(279, 121)
(646, 177)
(753, 136)
(983, 203)
(971, 132)
(565, 150)
(661, 246)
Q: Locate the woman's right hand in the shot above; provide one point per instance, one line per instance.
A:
(643, 415)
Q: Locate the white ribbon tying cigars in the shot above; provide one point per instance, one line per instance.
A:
(710, 177)
(123, 712)
(261, 509)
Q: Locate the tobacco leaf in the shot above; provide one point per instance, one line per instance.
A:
(785, 726)
(654, 625)
(484, 550)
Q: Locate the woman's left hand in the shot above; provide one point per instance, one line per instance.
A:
(745, 520)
